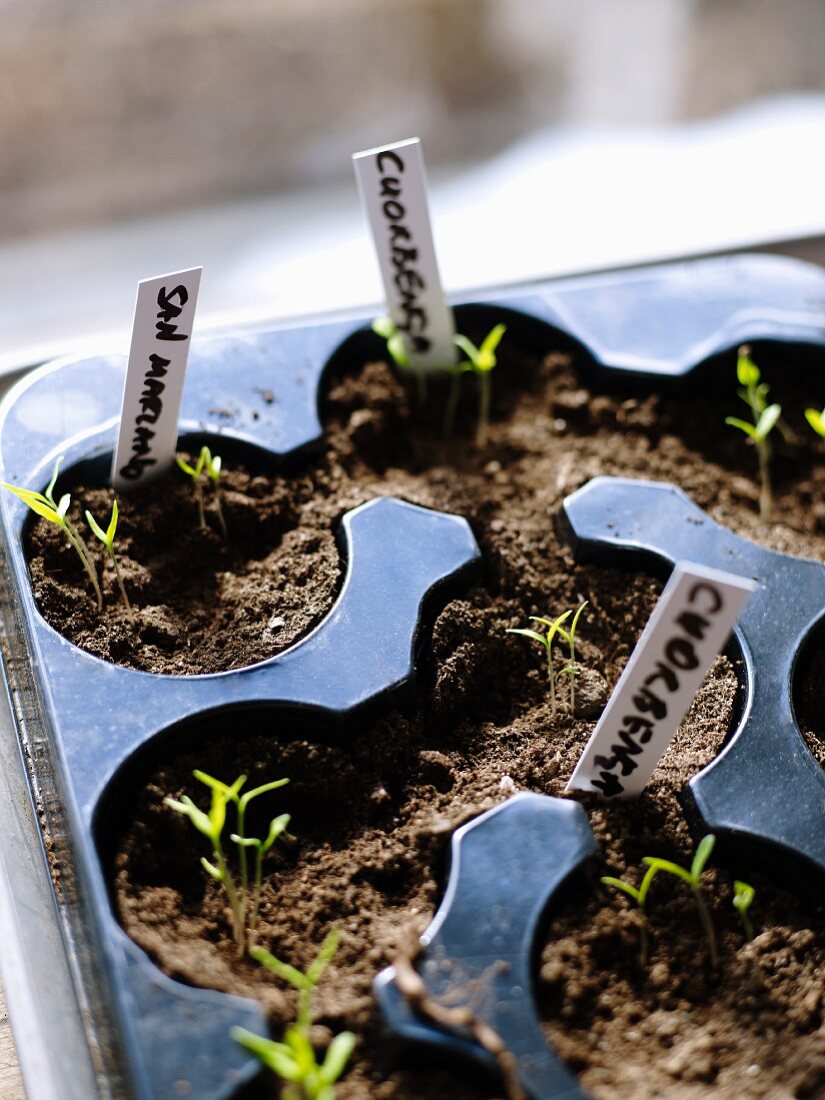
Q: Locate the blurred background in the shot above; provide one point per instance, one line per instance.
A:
(561, 136)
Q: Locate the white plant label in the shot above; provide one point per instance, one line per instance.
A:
(148, 433)
(688, 627)
(393, 187)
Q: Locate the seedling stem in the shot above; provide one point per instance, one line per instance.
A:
(743, 895)
(481, 361)
(243, 905)
(210, 465)
(546, 640)
(44, 505)
(294, 1060)
(107, 537)
(693, 878)
(639, 895)
(754, 393)
(386, 328)
(571, 670)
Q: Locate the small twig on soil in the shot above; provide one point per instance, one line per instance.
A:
(412, 988)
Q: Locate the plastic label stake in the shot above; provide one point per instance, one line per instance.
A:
(393, 187)
(687, 629)
(164, 312)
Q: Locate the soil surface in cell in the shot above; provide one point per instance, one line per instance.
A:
(201, 601)
(372, 817)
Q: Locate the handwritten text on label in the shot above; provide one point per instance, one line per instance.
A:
(689, 626)
(152, 394)
(393, 186)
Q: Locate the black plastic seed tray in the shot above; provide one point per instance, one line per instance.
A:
(84, 726)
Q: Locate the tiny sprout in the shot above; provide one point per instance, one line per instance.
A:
(554, 627)
(639, 895)
(754, 393)
(387, 329)
(107, 537)
(213, 472)
(212, 467)
(693, 878)
(44, 504)
(480, 361)
(195, 473)
(294, 1061)
(817, 420)
(243, 905)
(743, 895)
(571, 668)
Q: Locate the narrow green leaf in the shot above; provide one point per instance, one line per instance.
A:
(746, 370)
(324, 956)
(211, 869)
(525, 633)
(469, 349)
(491, 341)
(247, 797)
(276, 828)
(768, 420)
(229, 792)
(383, 326)
(288, 973)
(743, 895)
(188, 808)
(571, 632)
(112, 528)
(650, 874)
(742, 425)
(245, 841)
(184, 465)
(625, 887)
(669, 867)
(97, 530)
(336, 1058)
(49, 493)
(398, 350)
(702, 856)
(36, 502)
(816, 420)
(275, 1056)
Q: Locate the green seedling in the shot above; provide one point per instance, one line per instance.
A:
(195, 473)
(480, 361)
(754, 393)
(294, 1060)
(44, 505)
(693, 878)
(554, 628)
(817, 421)
(213, 472)
(571, 669)
(260, 847)
(243, 902)
(639, 895)
(107, 537)
(211, 466)
(743, 895)
(386, 328)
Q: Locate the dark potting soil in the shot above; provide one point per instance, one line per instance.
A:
(372, 815)
(202, 603)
